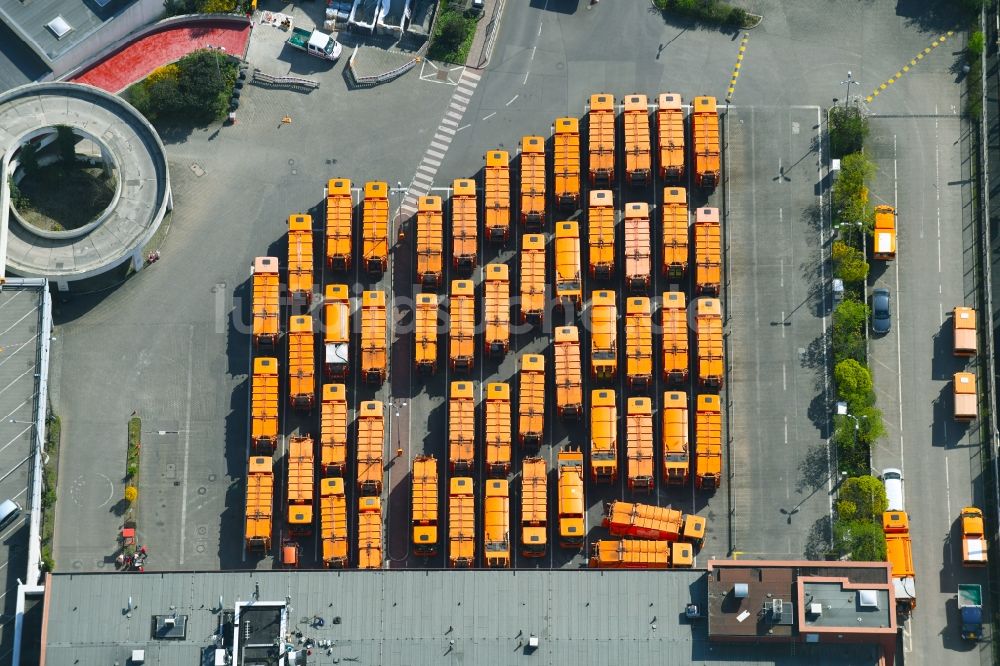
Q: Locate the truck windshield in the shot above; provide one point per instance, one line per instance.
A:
(329, 47)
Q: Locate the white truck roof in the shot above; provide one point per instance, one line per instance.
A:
(318, 40)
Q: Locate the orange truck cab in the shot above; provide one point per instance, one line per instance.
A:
(566, 163)
(572, 507)
(638, 171)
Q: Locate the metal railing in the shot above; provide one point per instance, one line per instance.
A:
(283, 81)
(376, 79)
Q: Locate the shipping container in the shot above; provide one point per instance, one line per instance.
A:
(708, 442)
(301, 363)
(639, 554)
(532, 259)
(371, 443)
(373, 337)
(569, 372)
(639, 444)
(462, 428)
(601, 234)
(259, 505)
(676, 450)
(375, 228)
(601, 135)
(638, 257)
(425, 334)
(333, 522)
(531, 400)
(707, 251)
(497, 312)
(333, 430)
(461, 523)
(498, 437)
(670, 135)
(497, 196)
(496, 524)
(603, 336)
(566, 163)
(603, 436)
(336, 331)
(266, 309)
(430, 242)
(569, 281)
(705, 142)
(370, 533)
(461, 337)
(638, 170)
(425, 506)
(300, 259)
(639, 343)
(264, 405)
(572, 507)
(533, 181)
(675, 337)
(675, 232)
(339, 224)
(301, 476)
(464, 225)
(534, 507)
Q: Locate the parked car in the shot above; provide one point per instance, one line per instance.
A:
(881, 311)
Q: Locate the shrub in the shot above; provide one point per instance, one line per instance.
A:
(871, 425)
(707, 11)
(848, 263)
(453, 33)
(848, 130)
(854, 384)
(849, 320)
(852, 453)
(66, 145)
(977, 42)
(194, 89)
(860, 540)
(850, 191)
(28, 158)
(865, 496)
(131, 494)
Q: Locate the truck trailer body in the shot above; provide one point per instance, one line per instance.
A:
(964, 385)
(645, 521)
(301, 363)
(266, 309)
(603, 436)
(676, 450)
(369, 533)
(569, 281)
(640, 554)
(601, 120)
(259, 505)
(675, 337)
(336, 331)
(572, 508)
(301, 472)
(461, 338)
(569, 372)
(601, 234)
(371, 441)
(375, 228)
(674, 215)
(532, 259)
(333, 522)
(884, 233)
(670, 136)
(462, 428)
(964, 329)
(531, 400)
(498, 432)
(707, 251)
(533, 181)
(638, 258)
(496, 524)
(497, 312)
(710, 354)
(534, 507)
(497, 196)
(461, 523)
(464, 225)
(603, 336)
(425, 321)
(339, 224)
(899, 553)
(430, 242)
(973, 537)
(566, 163)
(373, 337)
(333, 430)
(639, 343)
(264, 405)
(300, 259)
(705, 142)
(638, 157)
(639, 444)
(708, 442)
(424, 523)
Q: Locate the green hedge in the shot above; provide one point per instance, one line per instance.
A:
(50, 476)
(454, 30)
(194, 90)
(707, 11)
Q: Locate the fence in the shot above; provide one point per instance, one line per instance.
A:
(376, 79)
(283, 81)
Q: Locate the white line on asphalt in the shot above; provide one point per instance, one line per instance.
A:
(447, 121)
(939, 254)
(423, 178)
(433, 162)
(489, 116)
(12, 349)
(533, 51)
(899, 310)
(464, 91)
(512, 100)
(13, 381)
(447, 130)
(442, 138)
(11, 414)
(786, 429)
(458, 107)
(452, 114)
(466, 126)
(20, 319)
(525, 77)
(187, 441)
(940, 314)
(947, 495)
(461, 98)
(782, 323)
(784, 377)
(30, 426)
(428, 169)
(443, 147)
(539, 30)
(437, 154)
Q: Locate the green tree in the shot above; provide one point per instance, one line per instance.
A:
(848, 130)
(28, 158)
(977, 42)
(852, 453)
(867, 495)
(860, 540)
(849, 264)
(204, 84)
(871, 425)
(847, 334)
(854, 384)
(66, 145)
(850, 191)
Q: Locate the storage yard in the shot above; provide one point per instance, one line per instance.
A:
(563, 443)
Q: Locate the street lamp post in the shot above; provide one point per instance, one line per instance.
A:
(849, 82)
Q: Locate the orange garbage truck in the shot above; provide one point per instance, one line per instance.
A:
(601, 119)
(496, 524)
(498, 437)
(974, 543)
(566, 163)
(375, 228)
(425, 334)
(336, 331)
(639, 444)
(569, 372)
(675, 337)
(497, 196)
(670, 136)
(601, 234)
(603, 436)
(641, 554)
(339, 224)
(707, 251)
(266, 309)
(461, 523)
(963, 322)
(371, 443)
(264, 405)
(425, 506)
(638, 168)
(497, 313)
(461, 339)
(675, 232)
(899, 554)
(259, 505)
(301, 472)
(638, 343)
(464, 225)
(603, 336)
(884, 233)
(572, 507)
(569, 281)
(531, 400)
(462, 428)
(430, 242)
(534, 508)
(638, 257)
(333, 430)
(373, 337)
(301, 363)
(710, 359)
(705, 142)
(964, 392)
(645, 521)
(533, 279)
(533, 181)
(676, 449)
(370, 533)
(333, 522)
(708, 442)
(300, 259)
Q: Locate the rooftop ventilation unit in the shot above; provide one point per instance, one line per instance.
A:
(868, 599)
(138, 656)
(741, 590)
(59, 27)
(816, 609)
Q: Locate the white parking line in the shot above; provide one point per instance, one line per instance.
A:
(7, 330)
(187, 441)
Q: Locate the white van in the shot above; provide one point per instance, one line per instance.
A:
(893, 480)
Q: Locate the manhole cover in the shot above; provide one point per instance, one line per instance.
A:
(442, 75)
(198, 171)
(202, 530)
(200, 548)
(202, 490)
(77, 564)
(211, 477)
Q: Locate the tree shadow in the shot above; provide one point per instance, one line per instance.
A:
(815, 356)
(933, 15)
(814, 468)
(819, 414)
(818, 545)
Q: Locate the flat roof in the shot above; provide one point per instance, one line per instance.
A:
(29, 22)
(18, 63)
(842, 606)
(404, 617)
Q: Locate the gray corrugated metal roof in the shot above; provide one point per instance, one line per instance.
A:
(28, 20)
(403, 617)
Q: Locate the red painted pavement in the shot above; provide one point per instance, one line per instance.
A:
(137, 60)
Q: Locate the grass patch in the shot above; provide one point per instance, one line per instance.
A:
(50, 475)
(453, 33)
(61, 197)
(707, 11)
